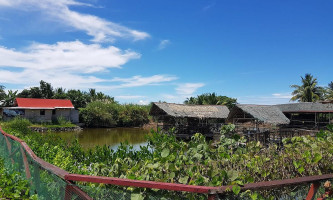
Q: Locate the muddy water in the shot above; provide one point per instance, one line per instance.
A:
(90, 137)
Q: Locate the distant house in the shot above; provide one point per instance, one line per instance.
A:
(189, 119)
(307, 114)
(41, 110)
(257, 115)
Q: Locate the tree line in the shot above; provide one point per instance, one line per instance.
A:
(79, 98)
(211, 99)
(96, 108)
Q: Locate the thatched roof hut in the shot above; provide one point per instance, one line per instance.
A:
(306, 107)
(189, 119)
(308, 114)
(190, 111)
(261, 113)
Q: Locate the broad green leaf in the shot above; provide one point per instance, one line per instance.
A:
(236, 189)
(300, 170)
(165, 153)
(137, 196)
(183, 180)
(317, 157)
(232, 174)
(172, 175)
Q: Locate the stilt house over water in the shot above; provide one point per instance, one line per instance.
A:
(258, 122)
(189, 119)
(256, 116)
(308, 115)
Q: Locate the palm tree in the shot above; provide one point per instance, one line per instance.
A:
(308, 91)
(329, 91)
(10, 98)
(2, 94)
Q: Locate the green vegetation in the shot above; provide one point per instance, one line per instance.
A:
(12, 185)
(111, 114)
(231, 161)
(22, 124)
(211, 99)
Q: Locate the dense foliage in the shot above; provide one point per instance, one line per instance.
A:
(110, 114)
(211, 99)
(12, 185)
(231, 161)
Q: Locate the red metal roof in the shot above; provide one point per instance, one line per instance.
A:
(43, 103)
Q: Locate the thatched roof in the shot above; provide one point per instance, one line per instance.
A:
(305, 107)
(263, 113)
(193, 111)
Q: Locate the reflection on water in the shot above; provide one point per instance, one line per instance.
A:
(91, 137)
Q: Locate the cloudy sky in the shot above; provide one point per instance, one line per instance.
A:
(143, 51)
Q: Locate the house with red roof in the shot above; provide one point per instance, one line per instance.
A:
(41, 110)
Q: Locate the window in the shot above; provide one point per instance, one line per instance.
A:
(53, 112)
(42, 112)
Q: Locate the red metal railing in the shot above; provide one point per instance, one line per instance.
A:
(211, 191)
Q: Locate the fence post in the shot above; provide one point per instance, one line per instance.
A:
(71, 189)
(68, 192)
(313, 190)
(26, 164)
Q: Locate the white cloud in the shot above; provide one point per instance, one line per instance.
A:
(66, 56)
(100, 29)
(163, 44)
(188, 89)
(5, 3)
(276, 98)
(206, 8)
(136, 81)
(143, 102)
(129, 97)
(66, 64)
(183, 91)
(282, 95)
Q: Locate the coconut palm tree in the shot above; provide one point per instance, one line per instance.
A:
(329, 91)
(308, 91)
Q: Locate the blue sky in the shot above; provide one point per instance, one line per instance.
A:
(143, 51)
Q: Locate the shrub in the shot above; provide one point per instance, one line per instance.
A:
(19, 124)
(111, 114)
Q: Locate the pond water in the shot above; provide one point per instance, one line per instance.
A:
(91, 137)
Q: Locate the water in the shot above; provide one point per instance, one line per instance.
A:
(91, 137)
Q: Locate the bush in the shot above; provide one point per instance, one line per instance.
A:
(19, 124)
(100, 114)
(111, 114)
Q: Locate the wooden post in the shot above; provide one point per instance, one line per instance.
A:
(313, 190)
(68, 192)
